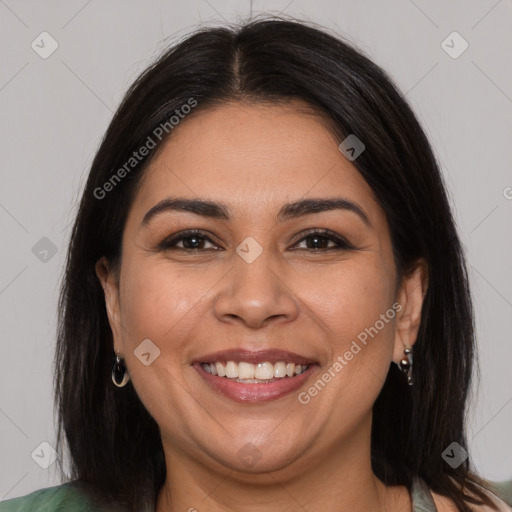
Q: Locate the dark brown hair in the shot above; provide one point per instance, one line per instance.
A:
(114, 443)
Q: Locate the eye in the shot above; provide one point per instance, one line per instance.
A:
(192, 240)
(320, 239)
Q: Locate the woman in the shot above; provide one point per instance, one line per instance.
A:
(263, 232)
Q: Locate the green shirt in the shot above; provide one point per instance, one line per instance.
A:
(69, 498)
(503, 490)
(61, 498)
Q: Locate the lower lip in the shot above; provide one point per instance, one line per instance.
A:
(263, 392)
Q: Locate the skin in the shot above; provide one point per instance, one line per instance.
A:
(255, 158)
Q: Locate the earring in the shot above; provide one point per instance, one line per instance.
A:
(406, 365)
(120, 375)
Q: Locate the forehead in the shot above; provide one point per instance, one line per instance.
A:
(254, 157)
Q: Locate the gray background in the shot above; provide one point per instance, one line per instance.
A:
(54, 112)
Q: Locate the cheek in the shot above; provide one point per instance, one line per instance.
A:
(355, 296)
(358, 308)
(155, 301)
(157, 306)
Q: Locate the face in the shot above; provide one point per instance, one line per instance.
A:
(270, 283)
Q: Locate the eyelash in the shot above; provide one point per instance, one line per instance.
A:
(170, 243)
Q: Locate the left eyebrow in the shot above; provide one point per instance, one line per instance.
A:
(288, 211)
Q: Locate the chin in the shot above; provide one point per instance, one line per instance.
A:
(251, 459)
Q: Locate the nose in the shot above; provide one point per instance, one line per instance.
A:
(255, 294)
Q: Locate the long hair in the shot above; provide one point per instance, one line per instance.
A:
(114, 444)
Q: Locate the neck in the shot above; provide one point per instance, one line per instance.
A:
(334, 480)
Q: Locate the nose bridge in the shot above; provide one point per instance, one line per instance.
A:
(254, 273)
(255, 290)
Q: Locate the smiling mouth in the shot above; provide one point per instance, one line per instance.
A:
(255, 376)
(254, 382)
(259, 373)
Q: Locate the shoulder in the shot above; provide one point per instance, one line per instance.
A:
(65, 497)
(445, 504)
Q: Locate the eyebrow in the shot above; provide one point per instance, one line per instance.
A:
(221, 211)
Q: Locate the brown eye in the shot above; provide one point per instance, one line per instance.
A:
(192, 240)
(319, 241)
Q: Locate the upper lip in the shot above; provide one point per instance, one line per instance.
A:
(253, 356)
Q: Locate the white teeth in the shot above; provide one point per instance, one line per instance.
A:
(264, 371)
(221, 372)
(245, 370)
(231, 370)
(280, 369)
(248, 372)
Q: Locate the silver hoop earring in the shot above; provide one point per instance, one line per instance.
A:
(120, 375)
(406, 365)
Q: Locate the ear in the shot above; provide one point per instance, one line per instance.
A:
(410, 295)
(110, 287)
